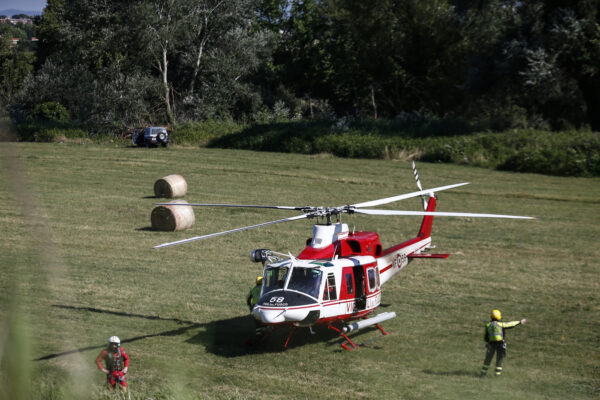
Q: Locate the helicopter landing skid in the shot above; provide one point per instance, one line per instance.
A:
(266, 333)
(350, 345)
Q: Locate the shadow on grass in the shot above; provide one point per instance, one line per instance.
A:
(231, 337)
(172, 332)
(234, 337)
(146, 228)
(452, 373)
(124, 314)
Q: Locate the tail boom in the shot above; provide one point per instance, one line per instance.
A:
(397, 257)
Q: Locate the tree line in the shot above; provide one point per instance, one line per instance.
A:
(489, 64)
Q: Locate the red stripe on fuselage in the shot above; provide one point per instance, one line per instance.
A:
(324, 304)
(401, 245)
(385, 269)
(287, 308)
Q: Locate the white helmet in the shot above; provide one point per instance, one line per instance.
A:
(115, 340)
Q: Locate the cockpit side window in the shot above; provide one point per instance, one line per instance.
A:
(274, 278)
(306, 280)
(349, 284)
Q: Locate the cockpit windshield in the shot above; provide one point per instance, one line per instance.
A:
(275, 278)
(306, 280)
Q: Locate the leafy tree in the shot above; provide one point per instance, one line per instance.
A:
(163, 18)
(304, 51)
(105, 60)
(389, 56)
(539, 57)
(50, 30)
(574, 41)
(86, 66)
(208, 21)
(498, 63)
(16, 62)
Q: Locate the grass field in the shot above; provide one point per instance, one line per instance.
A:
(77, 267)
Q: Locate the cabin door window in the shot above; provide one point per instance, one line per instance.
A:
(359, 287)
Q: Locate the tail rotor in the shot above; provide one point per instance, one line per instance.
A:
(423, 199)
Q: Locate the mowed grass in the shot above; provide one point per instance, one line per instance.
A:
(77, 266)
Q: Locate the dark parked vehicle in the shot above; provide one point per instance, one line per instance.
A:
(151, 136)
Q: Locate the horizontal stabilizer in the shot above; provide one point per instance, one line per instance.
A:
(428, 255)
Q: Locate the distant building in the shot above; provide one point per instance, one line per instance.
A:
(13, 21)
(15, 41)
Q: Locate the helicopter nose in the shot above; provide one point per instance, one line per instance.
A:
(270, 316)
(276, 316)
(282, 306)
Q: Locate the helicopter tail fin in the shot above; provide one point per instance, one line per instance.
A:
(425, 230)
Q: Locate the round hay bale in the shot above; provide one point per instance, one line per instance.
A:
(170, 186)
(172, 218)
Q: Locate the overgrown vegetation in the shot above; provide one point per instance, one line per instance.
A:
(569, 153)
(201, 133)
(565, 153)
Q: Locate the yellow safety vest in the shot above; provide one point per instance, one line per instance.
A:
(255, 292)
(494, 331)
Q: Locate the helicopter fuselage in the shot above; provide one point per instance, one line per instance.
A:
(336, 278)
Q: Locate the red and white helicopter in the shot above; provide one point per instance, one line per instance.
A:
(338, 277)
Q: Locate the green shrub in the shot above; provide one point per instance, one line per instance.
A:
(570, 153)
(557, 153)
(352, 145)
(201, 133)
(50, 111)
(46, 131)
(59, 134)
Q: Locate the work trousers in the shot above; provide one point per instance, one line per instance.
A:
(498, 348)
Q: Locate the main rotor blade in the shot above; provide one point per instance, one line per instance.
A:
(438, 214)
(211, 235)
(406, 196)
(230, 205)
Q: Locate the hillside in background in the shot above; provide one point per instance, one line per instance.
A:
(10, 12)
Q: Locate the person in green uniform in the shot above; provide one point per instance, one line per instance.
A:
(254, 294)
(496, 341)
